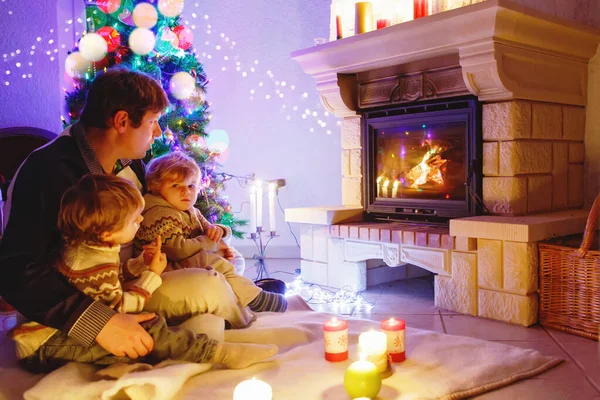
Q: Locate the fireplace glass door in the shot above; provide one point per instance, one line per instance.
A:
(423, 160)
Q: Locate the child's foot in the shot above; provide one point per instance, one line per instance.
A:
(268, 301)
(242, 355)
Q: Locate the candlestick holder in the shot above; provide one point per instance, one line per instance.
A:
(261, 245)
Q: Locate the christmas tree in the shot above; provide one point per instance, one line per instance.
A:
(148, 38)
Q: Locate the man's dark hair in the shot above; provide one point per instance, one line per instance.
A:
(119, 89)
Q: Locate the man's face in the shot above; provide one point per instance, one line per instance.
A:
(137, 141)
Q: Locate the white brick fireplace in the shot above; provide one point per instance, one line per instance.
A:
(531, 73)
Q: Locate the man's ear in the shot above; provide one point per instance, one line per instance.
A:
(120, 120)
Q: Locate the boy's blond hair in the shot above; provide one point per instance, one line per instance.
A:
(171, 166)
(95, 205)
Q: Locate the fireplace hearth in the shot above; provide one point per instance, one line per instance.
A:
(422, 162)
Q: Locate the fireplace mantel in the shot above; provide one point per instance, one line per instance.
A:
(506, 52)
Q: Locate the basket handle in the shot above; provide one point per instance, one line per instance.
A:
(590, 228)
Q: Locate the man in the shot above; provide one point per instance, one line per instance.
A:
(119, 123)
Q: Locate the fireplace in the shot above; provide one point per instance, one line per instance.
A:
(422, 161)
(539, 115)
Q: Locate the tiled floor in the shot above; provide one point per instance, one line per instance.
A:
(578, 377)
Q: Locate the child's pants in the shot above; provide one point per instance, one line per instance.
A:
(169, 343)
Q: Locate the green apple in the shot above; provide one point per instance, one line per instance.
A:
(362, 379)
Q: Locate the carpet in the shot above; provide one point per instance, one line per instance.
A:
(438, 366)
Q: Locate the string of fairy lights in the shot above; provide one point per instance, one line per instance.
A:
(269, 88)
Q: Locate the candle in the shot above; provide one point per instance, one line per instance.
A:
(395, 330)
(421, 8)
(335, 335)
(373, 345)
(363, 17)
(395, 189)
(338, 26)
(272, 190)
(382, 23)
(259, 205)
(253, 389)
(362, 379)
(384, 190)
(379, 186)
(252, 208)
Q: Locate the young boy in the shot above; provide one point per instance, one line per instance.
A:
(173, 183)
(97, 215)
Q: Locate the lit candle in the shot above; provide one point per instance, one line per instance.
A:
(259, 205)
(379, 186)
(272, 190)
(363, 17)
(395, 330)
(338, 22)
(252, 208)
(253, 389)
(362, 379)
(395, 189)
(335, 335)
(384, 189)
(373, 345)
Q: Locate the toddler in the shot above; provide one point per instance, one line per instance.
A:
(173, 182)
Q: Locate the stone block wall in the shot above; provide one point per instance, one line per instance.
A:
(533, 156)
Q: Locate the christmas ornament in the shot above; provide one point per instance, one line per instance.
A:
(168, 134)
(141, 41)
(145, 15)
(75, 65)
(125, 13)
(182, 85)
(108, 6)
(95, 18)
(93, 47)
(167, 41)
(111, 36)
(170, 8)
(185, 36)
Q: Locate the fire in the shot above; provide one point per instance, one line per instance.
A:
(428, 170)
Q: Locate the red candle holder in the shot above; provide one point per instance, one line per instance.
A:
(335, 335)
(420, 8)
(395, 330)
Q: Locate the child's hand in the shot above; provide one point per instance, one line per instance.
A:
(226, 251)
(214, 233)
(151, 249)
(159, 263)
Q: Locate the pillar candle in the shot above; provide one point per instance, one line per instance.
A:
(384, 189)
(338, 26)
(259, 204)
(362, 379)
(272, 191)
(379, 186)
(395, 189)
(363, 17)
(252, 225)
(373, 345)
(335, 334)
(253, 389)
(421, 8)
(395, 330)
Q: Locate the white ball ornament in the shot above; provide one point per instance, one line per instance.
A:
(93, 47)
(170, 8)
(142, 41)
(145, 15)
(182, 85)
(75, 65)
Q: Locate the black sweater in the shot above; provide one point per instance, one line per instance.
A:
(28, 279)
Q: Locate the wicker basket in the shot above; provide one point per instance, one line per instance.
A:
(570, 282)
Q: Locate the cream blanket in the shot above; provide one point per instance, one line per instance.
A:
(437, 367)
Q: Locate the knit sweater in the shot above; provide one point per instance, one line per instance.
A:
(95, 271)
(182, 232)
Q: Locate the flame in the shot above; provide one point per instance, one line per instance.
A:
(428, 170)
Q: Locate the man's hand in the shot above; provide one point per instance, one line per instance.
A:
(123, 335)
(214, 233)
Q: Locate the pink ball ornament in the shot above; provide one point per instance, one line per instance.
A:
(185, 35)
(108, 6)
(170, 8)
(145, 15)
(112, 37)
